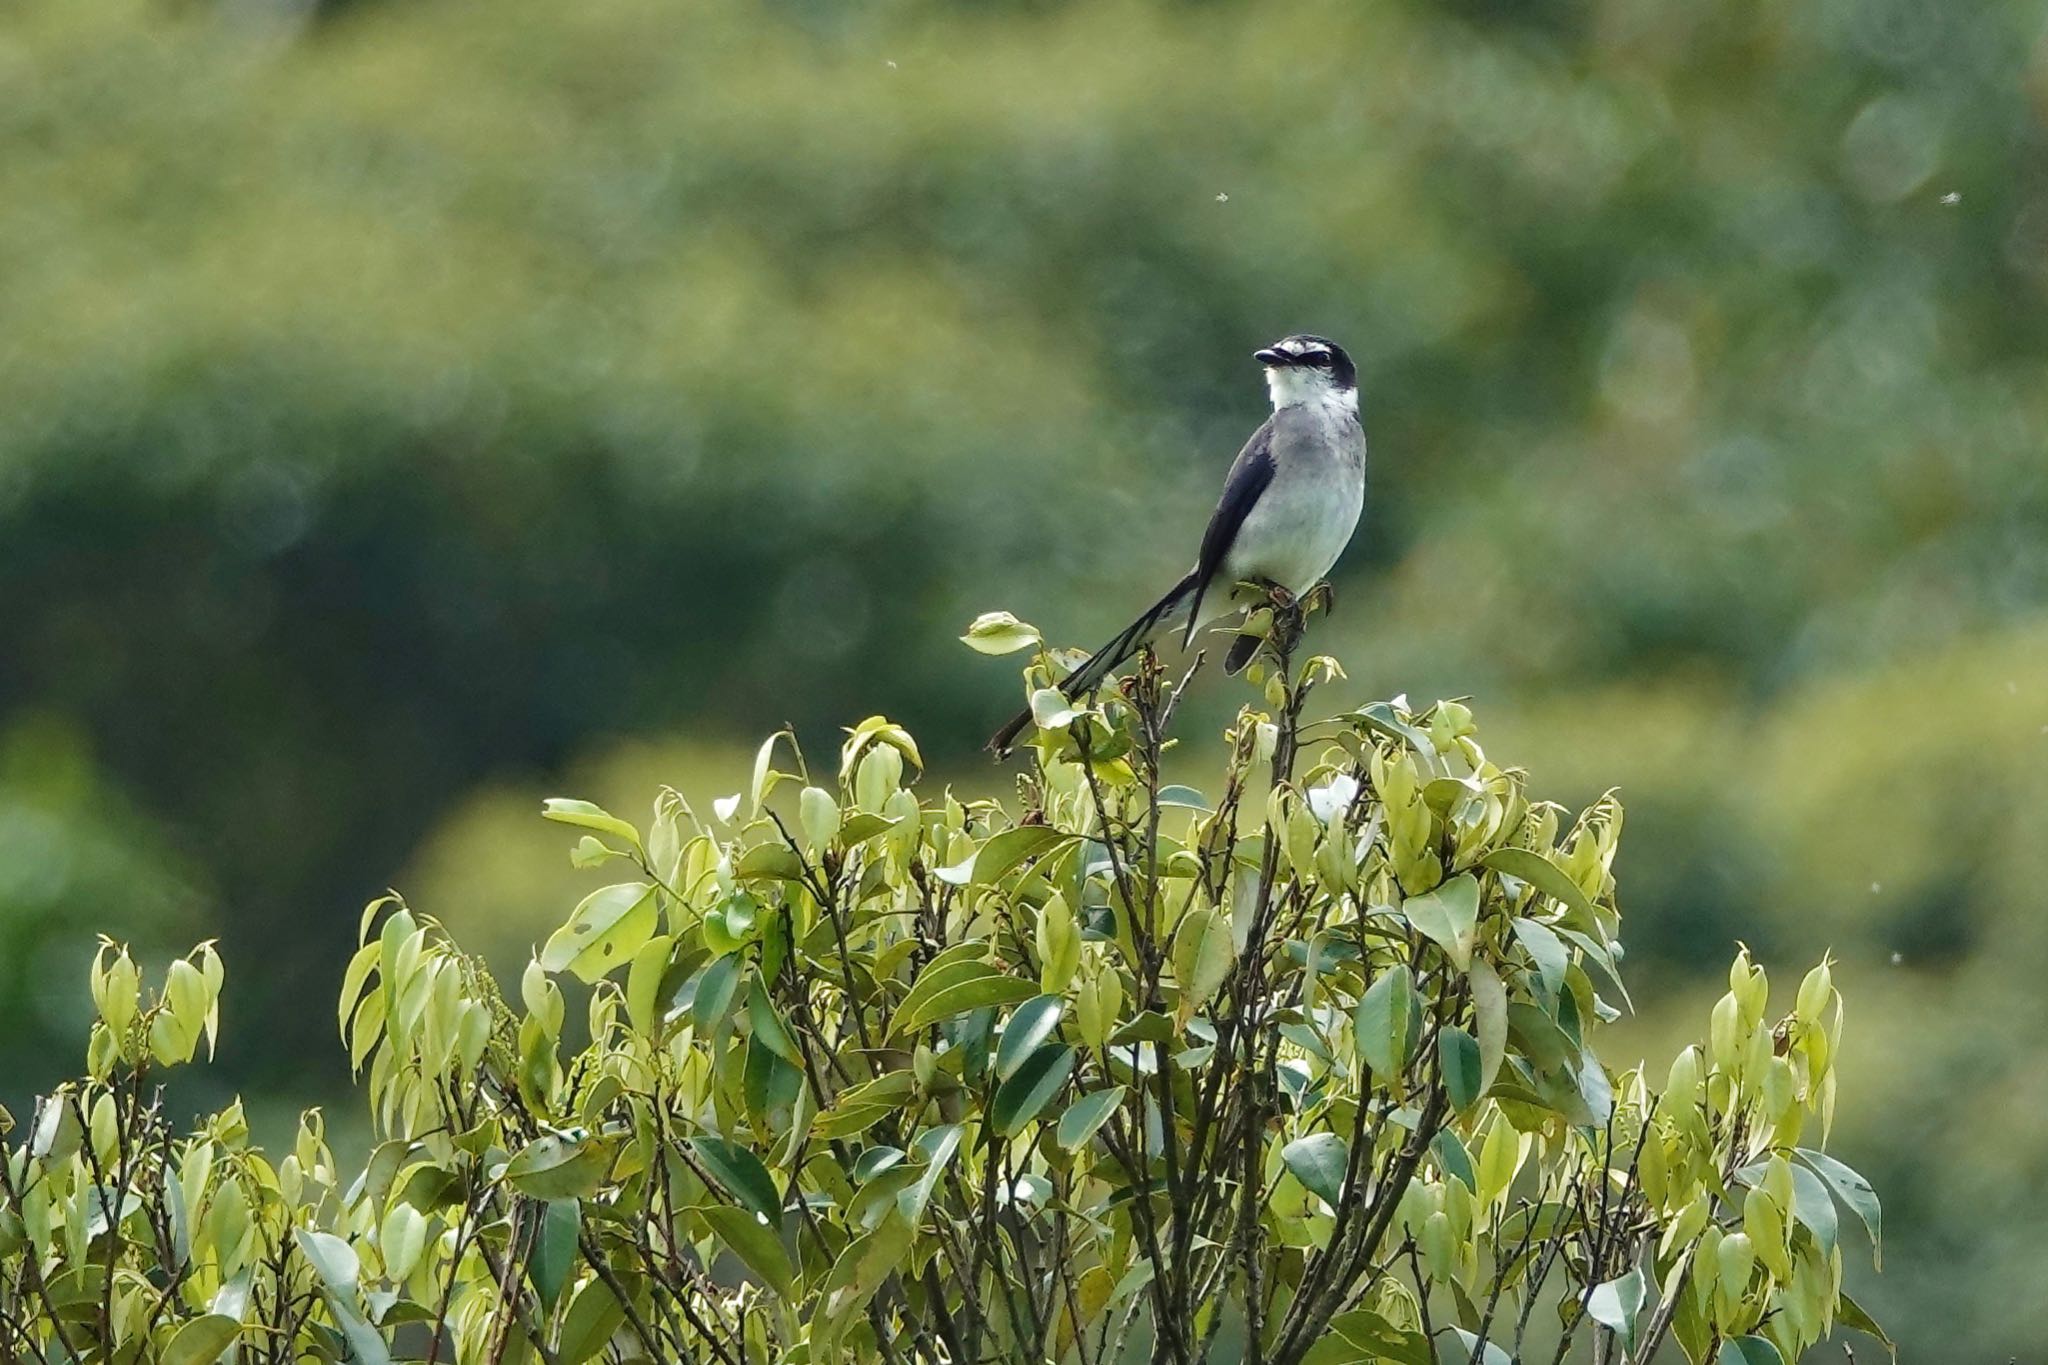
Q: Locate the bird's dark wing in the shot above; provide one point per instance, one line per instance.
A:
(1248, 477)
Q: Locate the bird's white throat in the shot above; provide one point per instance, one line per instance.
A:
(1291, 387)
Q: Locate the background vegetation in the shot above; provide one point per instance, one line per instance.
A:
(407, 411)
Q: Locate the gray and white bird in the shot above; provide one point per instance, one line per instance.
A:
(1290, 504)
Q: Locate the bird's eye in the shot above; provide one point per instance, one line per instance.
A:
(1318, 357)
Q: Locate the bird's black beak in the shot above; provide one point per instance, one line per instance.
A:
(1269, 356)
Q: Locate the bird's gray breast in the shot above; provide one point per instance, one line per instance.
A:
(1305, 517)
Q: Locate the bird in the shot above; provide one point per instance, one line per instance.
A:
(1290, 505)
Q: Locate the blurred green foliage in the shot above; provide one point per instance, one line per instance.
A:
(399, 402)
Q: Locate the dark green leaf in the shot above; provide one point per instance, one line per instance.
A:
(1453, 1159)
(742, 1174)
(1463, 1074)
(1025, 1094)
(555, 1250)
(768, 1029)
(1813, 1206)
(1748, 1351)
(1854, 1191)
(716, 990)
(1031, 1025)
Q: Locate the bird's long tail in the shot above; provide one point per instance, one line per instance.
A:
(1090, 674)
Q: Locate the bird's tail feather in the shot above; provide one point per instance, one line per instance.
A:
(1097, 666)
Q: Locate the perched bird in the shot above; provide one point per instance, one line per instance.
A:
(1289, 506)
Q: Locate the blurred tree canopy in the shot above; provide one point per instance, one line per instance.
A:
(398, 401)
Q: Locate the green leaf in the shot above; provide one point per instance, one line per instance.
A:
(1381, 1024)
(556, 1167)
(201, 1340)
(1463, 1073)
(1813, 1206)
(584, 815)
(1452, 1158)
(1149, 1027)
(769, 1085)
(768, 1029)
(1031, 1025)
(1381, 1339)
(1050, 709)
(1318, 1162)
(1203, 954)
(1494, 1354)
(402, 1240)
(754, 1241)
(937, 1146)
(610, 925)
(1852, 1315)
(742, 1174)
(962, 962)
(1490, 1011)
(1037, 1079)
(1854, 1191)
(769, 863)
(594, 1314)
(991, 989)
(643, 982)
(333, 1259)
(555, 1250)
(716, 990)
(855, 1276)
(1002, 854)
(1448, 916)
(998, 632)
(1616, 1303)
(1548, 878)
(1087, 1114)
(1547, 951)
(1185, 797)
(1748, 1351)
(764, 778)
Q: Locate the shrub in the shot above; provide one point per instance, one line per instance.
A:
(1299, 1069)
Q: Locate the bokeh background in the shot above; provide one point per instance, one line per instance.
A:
(408, 410)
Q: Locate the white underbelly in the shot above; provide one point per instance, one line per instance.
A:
(1294, 535)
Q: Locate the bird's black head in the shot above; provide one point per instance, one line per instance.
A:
(1303, 365)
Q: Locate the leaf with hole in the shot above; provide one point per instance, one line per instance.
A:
(608, 927)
